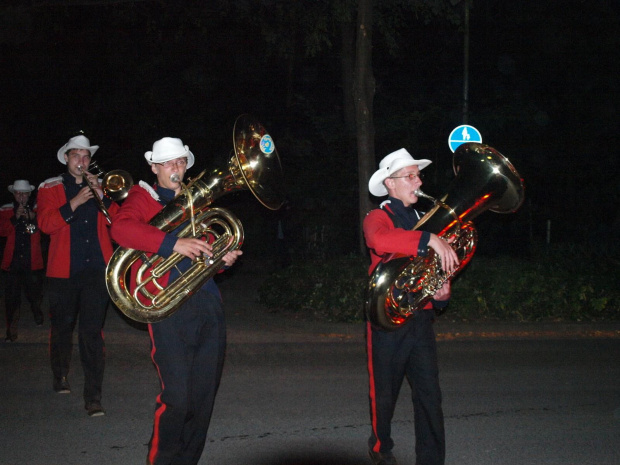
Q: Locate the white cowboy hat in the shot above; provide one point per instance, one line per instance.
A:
(389, 165)
(21, 185)
(169, 148)
(77, 142)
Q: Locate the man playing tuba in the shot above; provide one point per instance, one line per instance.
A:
(187, 347)
(409, 350)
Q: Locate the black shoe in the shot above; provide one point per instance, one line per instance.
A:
(39, 320)
(61, 386)
(11, 337)
(385, 458)
(94, 409)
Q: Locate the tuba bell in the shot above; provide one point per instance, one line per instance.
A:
(254, 166)
(401, 285)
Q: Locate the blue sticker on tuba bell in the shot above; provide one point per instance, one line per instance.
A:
(266, 144)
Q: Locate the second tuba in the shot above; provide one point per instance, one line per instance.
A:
(401, 285)
(254, 166)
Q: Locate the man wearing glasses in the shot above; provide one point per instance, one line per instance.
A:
(80, 248)
(188, 346)
(409, 351)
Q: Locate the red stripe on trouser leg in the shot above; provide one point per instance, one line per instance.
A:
(154, 445)
(372, 392)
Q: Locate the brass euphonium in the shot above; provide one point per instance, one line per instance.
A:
(255, 165)
(401, 285)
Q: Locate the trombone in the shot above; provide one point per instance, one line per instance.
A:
(115, 185)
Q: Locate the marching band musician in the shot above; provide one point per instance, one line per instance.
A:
(188, 346)
(80, 247)
(409, 351)
(22, 261)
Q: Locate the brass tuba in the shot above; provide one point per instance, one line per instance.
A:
(400, 285)
(255, 165)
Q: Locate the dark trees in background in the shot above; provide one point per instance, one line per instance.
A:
(364, 92)
(542, 91)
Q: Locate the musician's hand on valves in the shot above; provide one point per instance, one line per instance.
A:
(443, 293)
(449, 259)
(82, 197)
(192, 247)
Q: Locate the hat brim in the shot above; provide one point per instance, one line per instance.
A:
(375, 184)
(188, 154)
(64, 149)
(13, 190)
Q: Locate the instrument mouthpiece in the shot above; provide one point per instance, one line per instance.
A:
(421, 194)
(174, 177)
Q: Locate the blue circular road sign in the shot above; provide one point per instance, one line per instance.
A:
(462, 134)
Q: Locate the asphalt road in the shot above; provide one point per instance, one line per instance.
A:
(296, 393)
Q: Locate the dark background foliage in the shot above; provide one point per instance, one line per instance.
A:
(554, 285)
(543, 90)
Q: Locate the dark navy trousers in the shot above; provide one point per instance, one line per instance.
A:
(408, 352)
(188, 351)
(31, 282)
(84, 299)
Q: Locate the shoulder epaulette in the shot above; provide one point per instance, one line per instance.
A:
(149, 189)
(51, 182)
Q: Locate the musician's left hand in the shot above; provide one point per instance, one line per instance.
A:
(21, 212)
(449, 258)
(94, 182)
(231, 257)
(444, 292)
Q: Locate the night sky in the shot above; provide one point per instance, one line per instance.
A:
(544, 90)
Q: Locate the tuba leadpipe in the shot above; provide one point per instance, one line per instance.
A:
(254, 166)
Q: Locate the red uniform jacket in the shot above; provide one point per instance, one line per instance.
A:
(131, 228)
(382, 237)
(51, 196)
(8, 230)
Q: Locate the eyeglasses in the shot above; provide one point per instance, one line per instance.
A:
(181, 162)
(410, 176)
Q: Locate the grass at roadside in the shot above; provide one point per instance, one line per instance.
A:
(562, 284)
